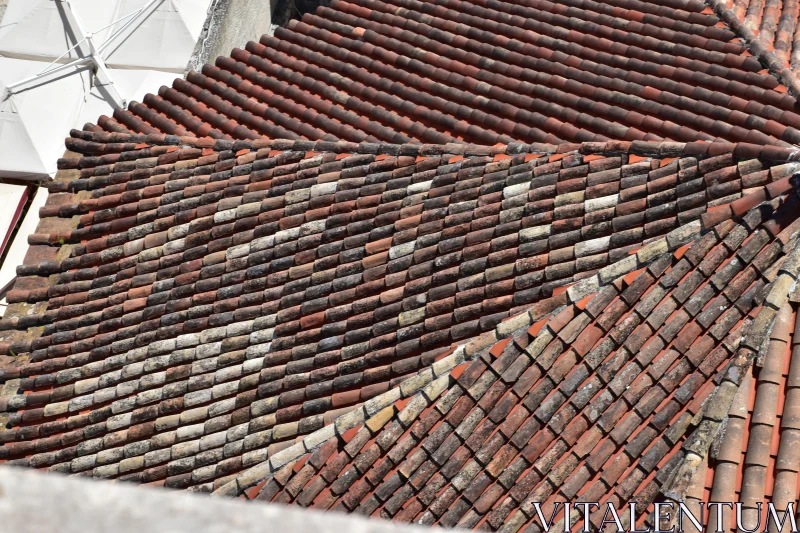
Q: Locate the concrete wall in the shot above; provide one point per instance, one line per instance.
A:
(231, 24)
(34, 502)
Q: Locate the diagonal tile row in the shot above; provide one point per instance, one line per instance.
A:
(593, 405)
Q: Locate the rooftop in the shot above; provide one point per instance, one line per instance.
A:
(515, 312)
(486, 73)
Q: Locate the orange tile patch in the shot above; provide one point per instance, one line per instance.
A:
(498, 348)
(561, 289)
(537, 327)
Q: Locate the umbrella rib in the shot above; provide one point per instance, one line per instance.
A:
(73, 47)
(95, 52)
(147, 9)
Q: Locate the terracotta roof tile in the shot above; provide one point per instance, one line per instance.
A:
(204, 315)
(204, 323)
(485, 72)
(753, 460)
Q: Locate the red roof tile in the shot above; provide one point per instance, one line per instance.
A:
(483, 72)
(754, 459)
(446, 333)
(774, 23)
(768, 30)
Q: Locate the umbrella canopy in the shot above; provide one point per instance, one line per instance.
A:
(33, 123)
(37, 29)
(66, 62)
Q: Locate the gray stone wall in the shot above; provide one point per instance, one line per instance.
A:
(230, 24)
(35, 502)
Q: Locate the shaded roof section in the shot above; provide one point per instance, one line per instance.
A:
(484, 72)
(602, 402)
(191, 307)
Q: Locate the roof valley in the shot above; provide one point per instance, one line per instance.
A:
(485, 387)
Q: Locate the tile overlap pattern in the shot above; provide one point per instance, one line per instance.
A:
(483, 72)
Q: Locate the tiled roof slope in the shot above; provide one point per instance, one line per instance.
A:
(768, 29)
(594, 404)
(202, 305)
(483, 72)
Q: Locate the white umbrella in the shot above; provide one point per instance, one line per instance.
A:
(163, 40)
(66, 62)
(34, 122)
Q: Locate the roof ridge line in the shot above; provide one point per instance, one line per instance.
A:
(757, 47)
(89, 143)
